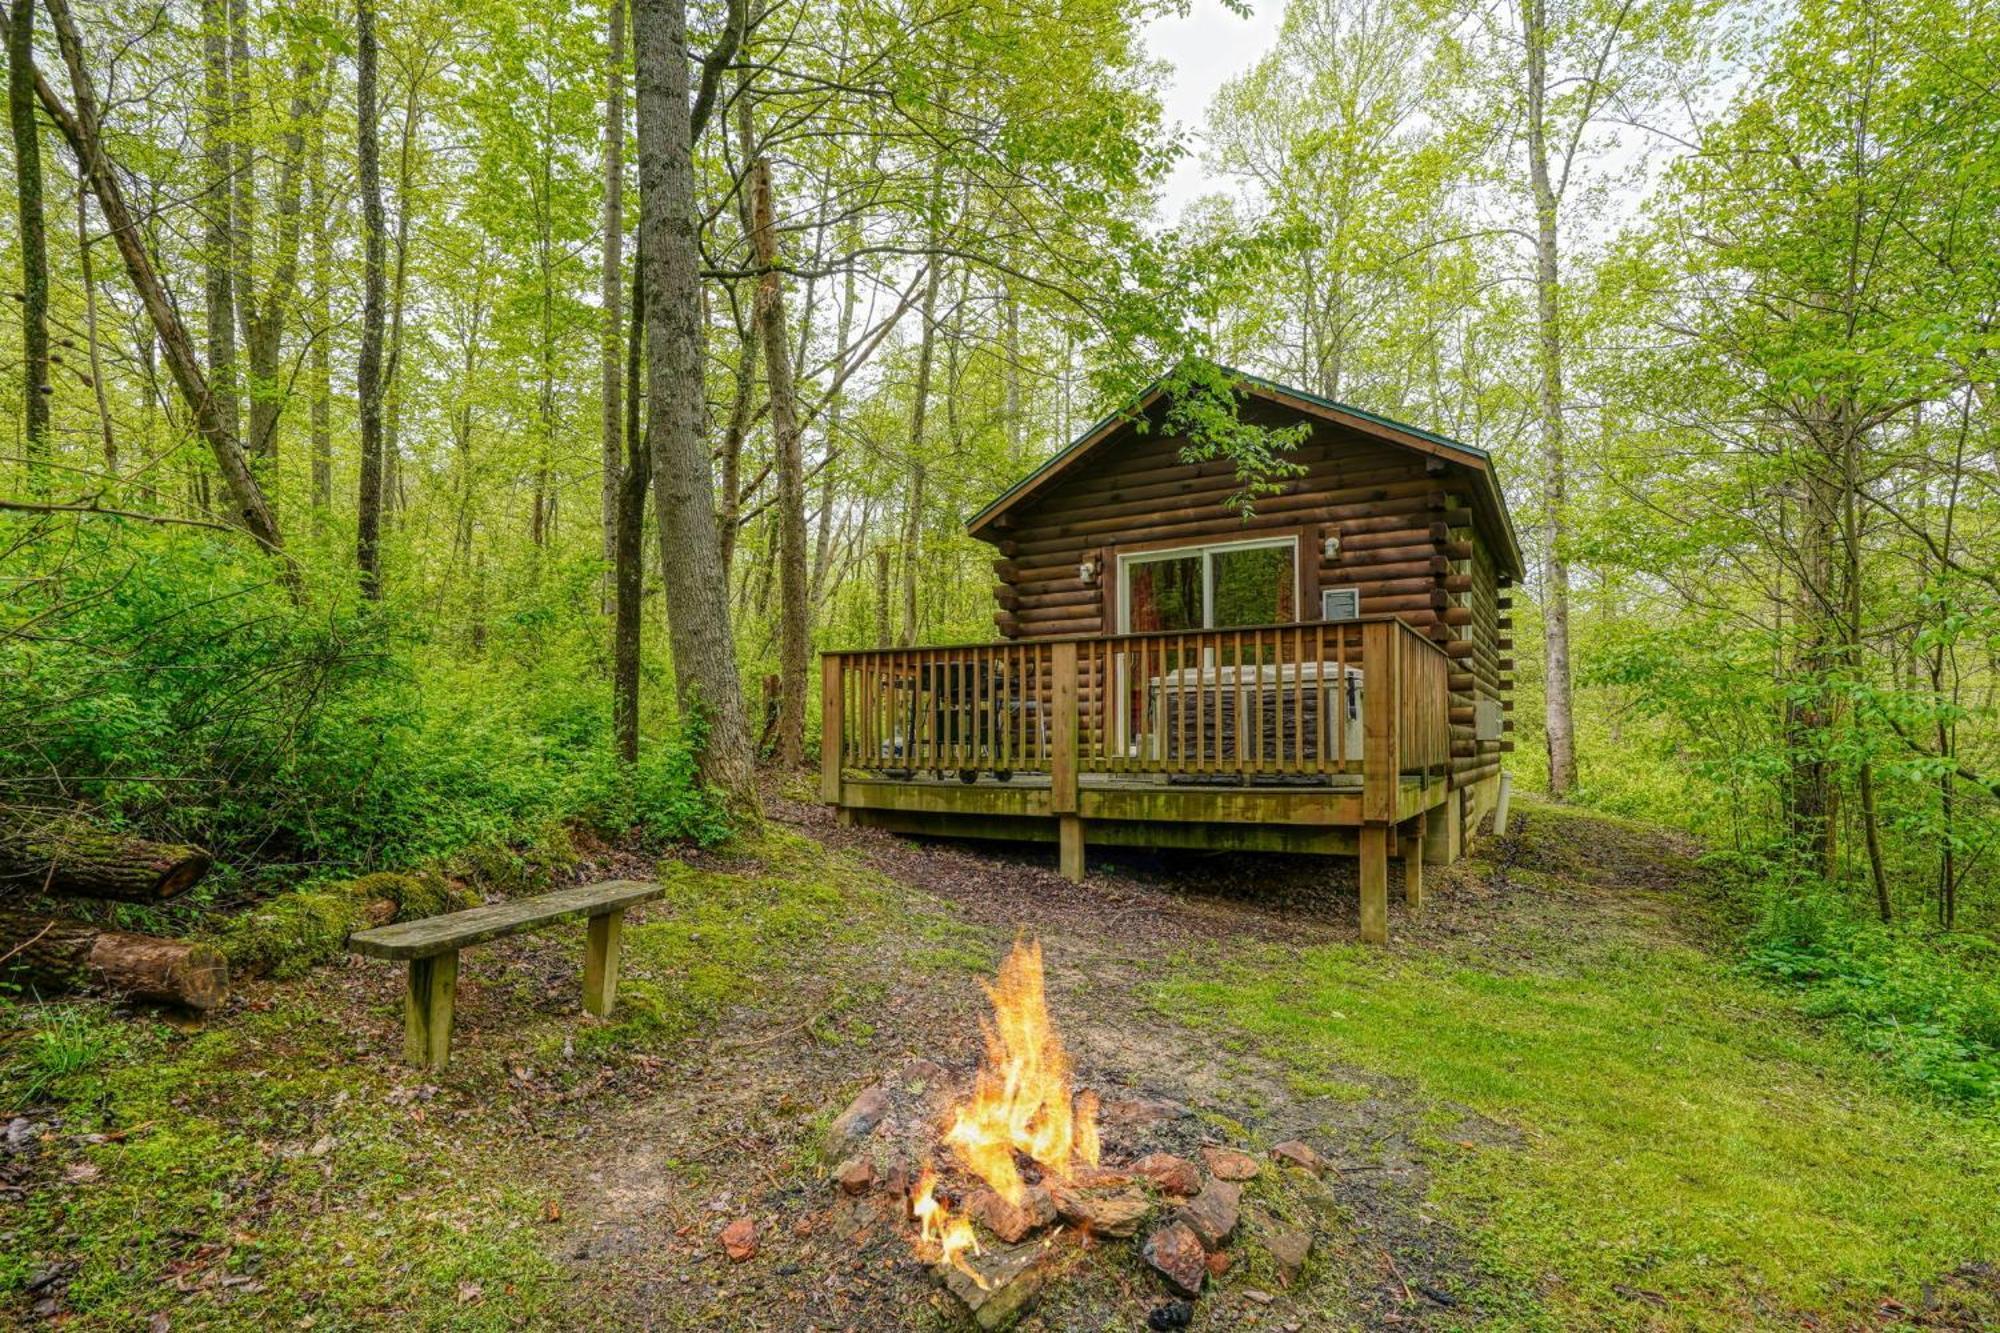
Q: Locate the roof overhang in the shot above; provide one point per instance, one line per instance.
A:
(1507, 546)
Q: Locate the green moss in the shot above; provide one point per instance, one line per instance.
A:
(285, 936)
(529, 865)
(424, 893)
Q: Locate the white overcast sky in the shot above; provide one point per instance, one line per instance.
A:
(1205, 48)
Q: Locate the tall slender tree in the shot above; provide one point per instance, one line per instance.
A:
(611, 285)
(368, 370)
(35, 390)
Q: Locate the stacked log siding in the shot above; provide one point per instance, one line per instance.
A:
(1415, 538)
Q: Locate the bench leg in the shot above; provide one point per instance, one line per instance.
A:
(600, 962)
(427, 1010)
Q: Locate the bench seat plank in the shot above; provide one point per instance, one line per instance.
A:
(433, 935)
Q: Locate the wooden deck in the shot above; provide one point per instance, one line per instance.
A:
(1327, 737)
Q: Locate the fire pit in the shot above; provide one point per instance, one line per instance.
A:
(1000, 1178)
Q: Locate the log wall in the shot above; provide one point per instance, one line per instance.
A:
(1407, 542)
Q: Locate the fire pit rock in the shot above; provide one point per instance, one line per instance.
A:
(1176, 1254)
(1229, 1164)
(852, 1128)
(1009, 1222)
(1212, 1214)
(1007, 1284)
(1297, 1152)
(856, 1175)
(1112, 1216)
(1289, 1249)
(1169, 1174)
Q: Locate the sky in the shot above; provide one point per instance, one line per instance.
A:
(1205, 48)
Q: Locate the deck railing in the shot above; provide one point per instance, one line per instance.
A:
(1281, 703)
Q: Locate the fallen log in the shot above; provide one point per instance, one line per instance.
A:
(58, 955)
(91, 863)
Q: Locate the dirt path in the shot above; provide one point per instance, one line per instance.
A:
(735, 1131)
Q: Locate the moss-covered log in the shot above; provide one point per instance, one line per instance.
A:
(91, 863)
(58, 955)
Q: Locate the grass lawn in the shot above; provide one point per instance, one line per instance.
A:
(1676, 1147)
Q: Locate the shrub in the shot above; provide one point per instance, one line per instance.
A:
(175, 689)
(1926, 1004)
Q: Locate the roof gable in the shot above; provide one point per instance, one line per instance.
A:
(1491, 506)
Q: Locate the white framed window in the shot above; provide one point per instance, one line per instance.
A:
(1214, 585)
(1340, 603)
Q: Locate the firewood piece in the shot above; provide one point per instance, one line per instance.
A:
(91, 863)
(65, 955)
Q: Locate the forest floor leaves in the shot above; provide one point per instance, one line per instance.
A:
(1557, 1103)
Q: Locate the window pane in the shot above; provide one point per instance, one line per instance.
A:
(1254, 586)
(1164, 594)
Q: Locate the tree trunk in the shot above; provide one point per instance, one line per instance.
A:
(913, 520)
(60, 955)
(1017, 435)
(883, 636)
(267, 317)
(697, 595)
(733, 435)
(35, 390)
(217, 428)
(1811, 799)
(794, 611)
(368, 371)
(393, 499)
(97, 385)
(321, 372)
(628, 554)
(611, 369)
(1559, 721)
(218, 233)
(99, 865)
(90, 863)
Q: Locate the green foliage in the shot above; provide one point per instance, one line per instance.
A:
(178, 692)
(67, 1043)
(1926, 1004)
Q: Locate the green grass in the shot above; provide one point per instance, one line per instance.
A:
(1681, 1130)
(273, 1166)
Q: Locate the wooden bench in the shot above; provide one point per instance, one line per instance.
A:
(431, 946)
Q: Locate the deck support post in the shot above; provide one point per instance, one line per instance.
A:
(1500, 806)
(600, 962)
(427, 1006)
(1062, 760)
(1444, 833)
(1070, 831)
(1375, 883)
(832, 719)
(1413, 863)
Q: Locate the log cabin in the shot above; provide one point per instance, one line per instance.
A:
(1330, 672)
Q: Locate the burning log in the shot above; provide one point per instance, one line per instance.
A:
(997, 1288)
(62, 955)
(76, 859)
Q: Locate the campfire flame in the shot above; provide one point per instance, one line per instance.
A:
(951, 1236)
(1021, 1103)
